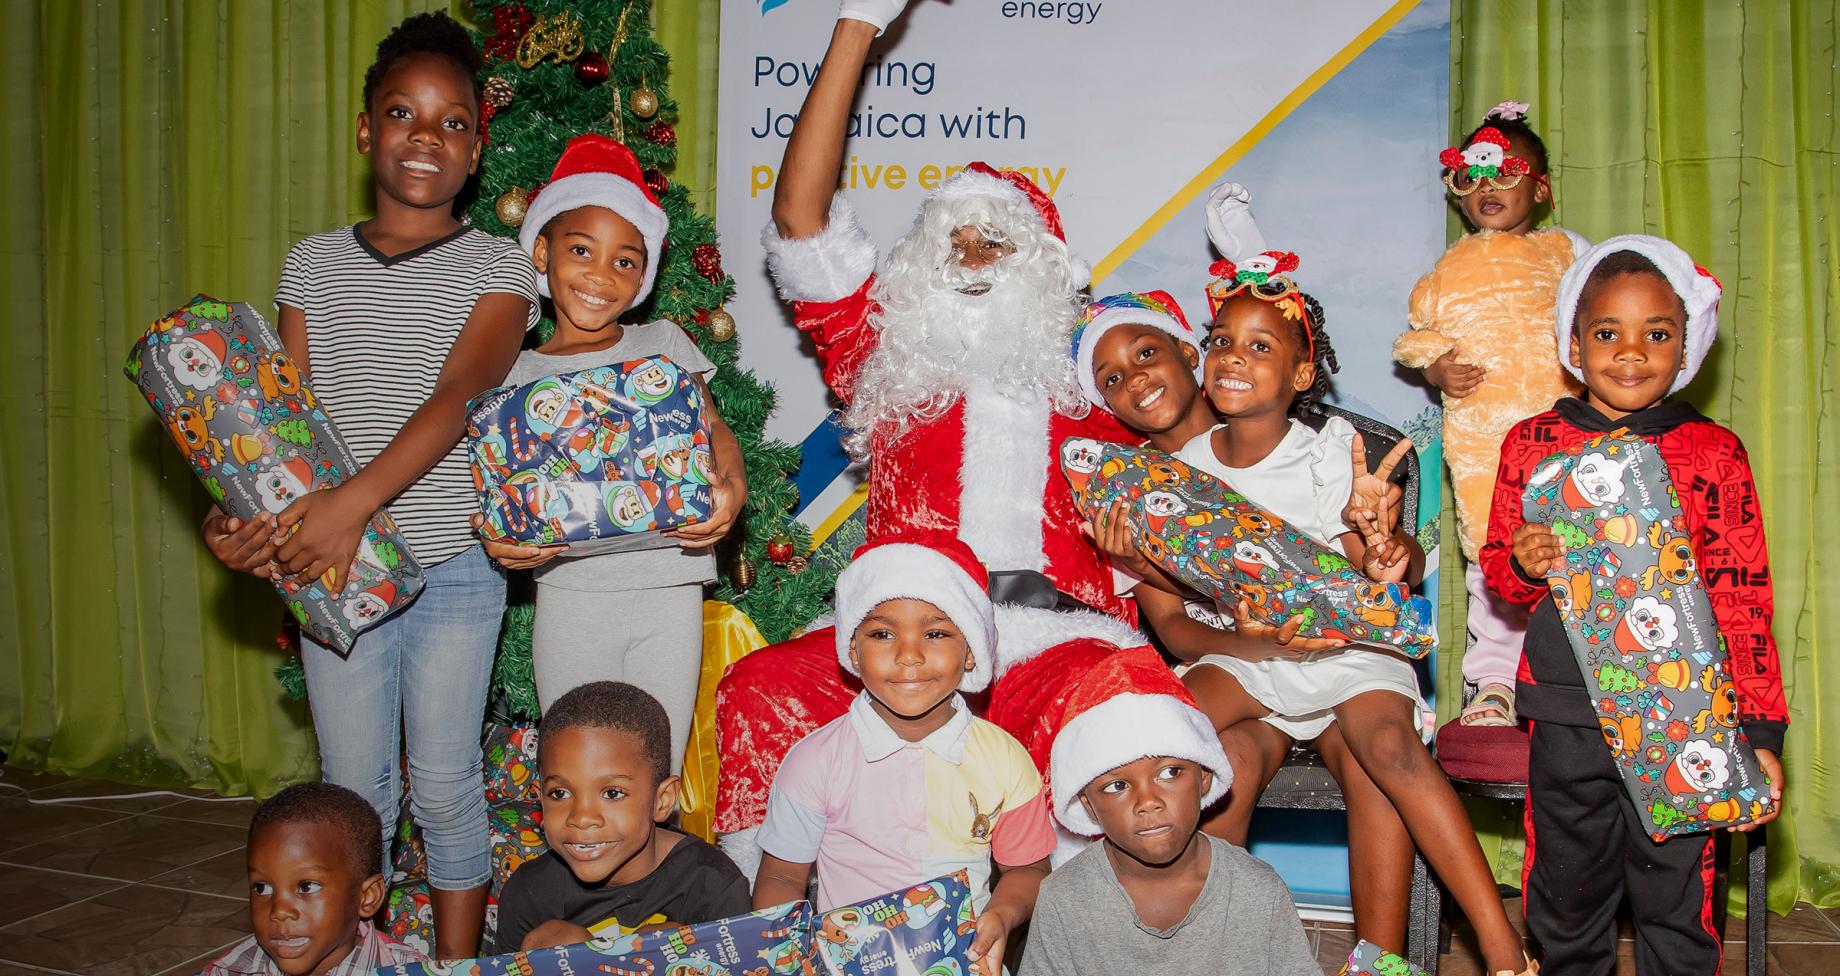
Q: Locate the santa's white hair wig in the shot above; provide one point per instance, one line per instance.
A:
(935, 340)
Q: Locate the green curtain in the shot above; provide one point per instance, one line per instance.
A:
(1712, 124)
(162, 149)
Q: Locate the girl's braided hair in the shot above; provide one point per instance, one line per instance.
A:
(1311, 400)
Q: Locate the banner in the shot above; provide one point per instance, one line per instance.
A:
(1126, 113)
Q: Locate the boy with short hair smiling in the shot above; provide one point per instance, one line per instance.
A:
(1635, 320)
(1136, 760)
(313, 887)
(604, 775)
(908, 786)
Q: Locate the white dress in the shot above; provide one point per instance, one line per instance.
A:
(1305, 481)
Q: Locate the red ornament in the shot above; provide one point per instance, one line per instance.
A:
(591, 68)
(508, 26)
(779, 549)
(655, 182)
(662, 133)
(707, 259)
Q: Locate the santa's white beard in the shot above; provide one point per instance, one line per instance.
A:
(936, 341)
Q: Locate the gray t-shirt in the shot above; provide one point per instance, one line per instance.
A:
(642, 569)
(1242, 924)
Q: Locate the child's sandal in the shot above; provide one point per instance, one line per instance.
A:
(1533, 968)
(1493, 707)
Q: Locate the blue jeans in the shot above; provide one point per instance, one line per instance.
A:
(424, 672)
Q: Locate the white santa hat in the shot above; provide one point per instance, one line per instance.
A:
(1127, 707)
(598, 171)
(1156, 309)
(937, 568)
(980, 179)
(1698, 290)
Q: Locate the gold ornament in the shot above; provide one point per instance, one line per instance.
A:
(499, 92)
(557, 34)
(721, 326)
(744, 572)
(644, 102)
(511, 206)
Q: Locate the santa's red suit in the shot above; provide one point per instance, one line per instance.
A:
(985, 469)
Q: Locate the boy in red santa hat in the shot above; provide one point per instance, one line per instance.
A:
(1134, 759)
(1635, 320)
(595, 233)
(907, 785)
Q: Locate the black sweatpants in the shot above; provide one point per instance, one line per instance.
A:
(1587, 851)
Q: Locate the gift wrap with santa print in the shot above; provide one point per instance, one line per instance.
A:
(1197, 529)
(1641, 627)
(1368, 959)
(247, 422)
(925, 929)
(769, 941)
(602, 459)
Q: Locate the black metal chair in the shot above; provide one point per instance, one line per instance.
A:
(1303, 782)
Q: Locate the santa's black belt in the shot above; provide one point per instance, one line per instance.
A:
(1028, 588)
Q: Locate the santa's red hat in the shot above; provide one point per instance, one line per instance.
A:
(213, 342)
(983, 179)
(384, 591)
(934, 567)
(599, 171)
(300, 471)
(1126, 707)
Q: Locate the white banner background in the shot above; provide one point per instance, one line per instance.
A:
(1332, 111)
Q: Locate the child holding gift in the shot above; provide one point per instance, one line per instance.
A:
(401, 320)
(595, 234)
(1135, 760)
(1636, 317)
(605, 780)
(909, 786)
(313, 887)
(1480, 329)
(1267, 359)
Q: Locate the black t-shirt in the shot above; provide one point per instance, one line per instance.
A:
(694, 883)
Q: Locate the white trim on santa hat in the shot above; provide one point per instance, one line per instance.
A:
(1698, 290)
(907, 571)
(598, 189)
(1122, 729)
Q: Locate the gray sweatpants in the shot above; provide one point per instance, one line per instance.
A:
(649, 638)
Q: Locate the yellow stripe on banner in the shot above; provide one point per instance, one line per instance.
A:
(1212, 171)
(855, 501)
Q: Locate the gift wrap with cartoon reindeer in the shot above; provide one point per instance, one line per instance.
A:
(1368, 959)
(1641, 627)
(1197, 529)
(601, 458)
(926, 929)
(247, 422)
(768, 942)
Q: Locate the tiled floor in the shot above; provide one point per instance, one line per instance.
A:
(155, 885)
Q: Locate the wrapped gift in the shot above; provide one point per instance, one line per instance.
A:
(1368, 959)
(1642, 630)
(248, 424)
(511, 762)
(602, 459)
(770, 941)
(1199, 530)
(927, 928)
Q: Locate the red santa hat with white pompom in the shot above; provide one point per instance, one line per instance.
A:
(599, 171)
(1127, 707)
(934, 567)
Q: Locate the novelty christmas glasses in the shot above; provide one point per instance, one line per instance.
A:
(1263, 276)
(1485, 160)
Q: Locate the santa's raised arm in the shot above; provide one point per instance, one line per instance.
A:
(954, 368)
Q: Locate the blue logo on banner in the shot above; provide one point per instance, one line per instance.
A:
(767, 5)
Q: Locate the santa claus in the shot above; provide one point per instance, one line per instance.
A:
(953, 364)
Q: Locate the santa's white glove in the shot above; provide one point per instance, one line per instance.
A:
(1230, 225)
(881, 13)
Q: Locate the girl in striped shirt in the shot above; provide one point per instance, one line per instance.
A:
(400, 320)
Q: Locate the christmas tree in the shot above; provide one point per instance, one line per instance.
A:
(556, 69)
(1615, 677)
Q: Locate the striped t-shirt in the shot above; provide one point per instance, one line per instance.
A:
(378, 333)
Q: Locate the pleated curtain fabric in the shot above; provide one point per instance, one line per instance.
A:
(158, 149)
(1712, 124)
